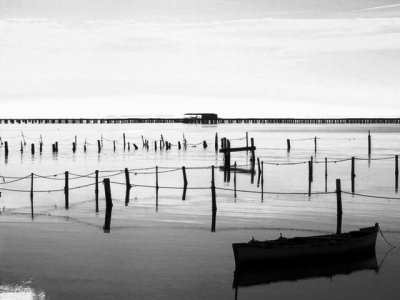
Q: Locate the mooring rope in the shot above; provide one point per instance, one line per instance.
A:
(380, 230)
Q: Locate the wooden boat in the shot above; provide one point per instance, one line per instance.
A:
(286, 250)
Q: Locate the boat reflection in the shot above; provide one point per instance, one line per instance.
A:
(246, 277)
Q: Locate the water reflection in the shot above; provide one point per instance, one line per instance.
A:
(301, 270)
(22, 291)
(213, 220)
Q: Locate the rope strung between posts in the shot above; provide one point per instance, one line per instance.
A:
(220, 188)
(371, 196)
(46, 191)
(196, 188)
(15, 180)
(378, 158)
(141, 169)
(49, 176)
(306, 139)
(159, 172)
(80, 176)
(285, 164)
(77, 176)
(167, 170)
(270, 148)
(275, 193)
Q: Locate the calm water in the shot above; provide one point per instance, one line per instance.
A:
(168, 251)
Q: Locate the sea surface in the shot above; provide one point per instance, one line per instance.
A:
(163, 247)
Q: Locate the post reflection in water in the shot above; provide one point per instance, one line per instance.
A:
(213, 220)
(248, 277)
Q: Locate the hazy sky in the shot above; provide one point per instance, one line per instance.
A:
(246, 58)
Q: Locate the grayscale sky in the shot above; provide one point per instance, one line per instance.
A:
(245, 58)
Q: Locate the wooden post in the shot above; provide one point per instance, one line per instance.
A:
(253, 160)
(53, 148)
(96, 191)
(56, 147)
(228, 163)
(185, 183)
(128, 186)
(179, 145)
(339, 207)
(259, 165)
(76, 141)
(353, 175)
(216, 142)
(312, 168)
(66, 190)
(315, 144)
(262, 181)
(157, 187)
(124, 141)
(155, 145)
(33, 149)
(369, 142)
(234, 180)
(98, 146)
(326, 175)
(31, 194)
(288, 145)
(109, 205)
(129, 146)
(247, 139)
(309, 178)
(223, 143)
(114, 145)
(41, 147)
(396, 173)
(143, 141)
(22, 148)
(6, 149)
(73, 147)
(213, 195)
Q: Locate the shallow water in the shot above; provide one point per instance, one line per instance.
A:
(171, 244)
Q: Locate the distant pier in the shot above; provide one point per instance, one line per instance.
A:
(199, 121)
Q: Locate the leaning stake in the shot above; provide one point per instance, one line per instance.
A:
(128, 186)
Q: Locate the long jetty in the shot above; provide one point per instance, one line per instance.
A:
(205, 121)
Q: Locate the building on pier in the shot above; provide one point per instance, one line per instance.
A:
(203, 118)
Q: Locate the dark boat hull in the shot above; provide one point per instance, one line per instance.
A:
(283, 250)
